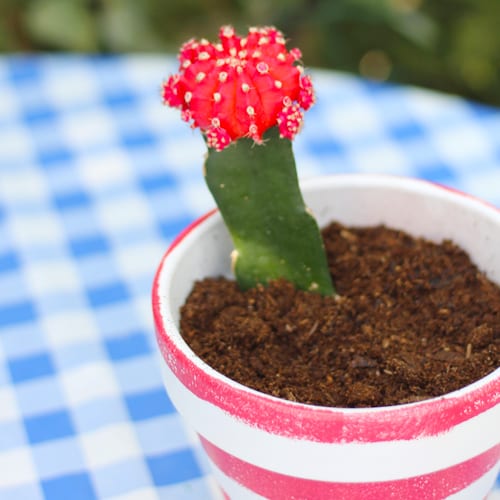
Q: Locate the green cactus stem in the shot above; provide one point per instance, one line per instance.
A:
(274, 236)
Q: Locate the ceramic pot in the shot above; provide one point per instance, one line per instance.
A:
(264, 447)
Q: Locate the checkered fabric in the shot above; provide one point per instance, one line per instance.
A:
(96, 178)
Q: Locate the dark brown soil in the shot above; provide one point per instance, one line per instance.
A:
(412, 320)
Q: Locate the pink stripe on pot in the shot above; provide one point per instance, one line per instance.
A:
(272, 485)
(328, 425)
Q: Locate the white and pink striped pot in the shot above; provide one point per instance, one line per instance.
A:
(264, 447)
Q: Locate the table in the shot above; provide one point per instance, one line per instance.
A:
(96, 178)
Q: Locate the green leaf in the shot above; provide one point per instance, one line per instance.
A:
(62, 24)
(124, 26)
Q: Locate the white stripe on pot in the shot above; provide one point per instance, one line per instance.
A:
(349, 462)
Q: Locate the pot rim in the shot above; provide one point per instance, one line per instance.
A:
(477, 397)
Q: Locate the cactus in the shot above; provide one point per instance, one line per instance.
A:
(247, 95)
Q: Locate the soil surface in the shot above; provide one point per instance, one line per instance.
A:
(412, 320)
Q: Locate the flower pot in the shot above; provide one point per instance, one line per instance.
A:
(264, 447)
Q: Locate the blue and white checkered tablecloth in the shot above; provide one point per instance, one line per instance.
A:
(96, 178)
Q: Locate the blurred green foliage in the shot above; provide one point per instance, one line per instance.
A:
(450, 45)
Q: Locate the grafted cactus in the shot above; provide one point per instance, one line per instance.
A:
(247, 95)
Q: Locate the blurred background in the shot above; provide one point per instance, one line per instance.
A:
(449, 45)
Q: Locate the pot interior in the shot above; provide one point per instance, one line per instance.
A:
(417, 207)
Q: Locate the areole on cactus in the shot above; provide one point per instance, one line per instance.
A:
(246, 95)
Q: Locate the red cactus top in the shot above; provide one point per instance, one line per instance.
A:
(240, 87)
